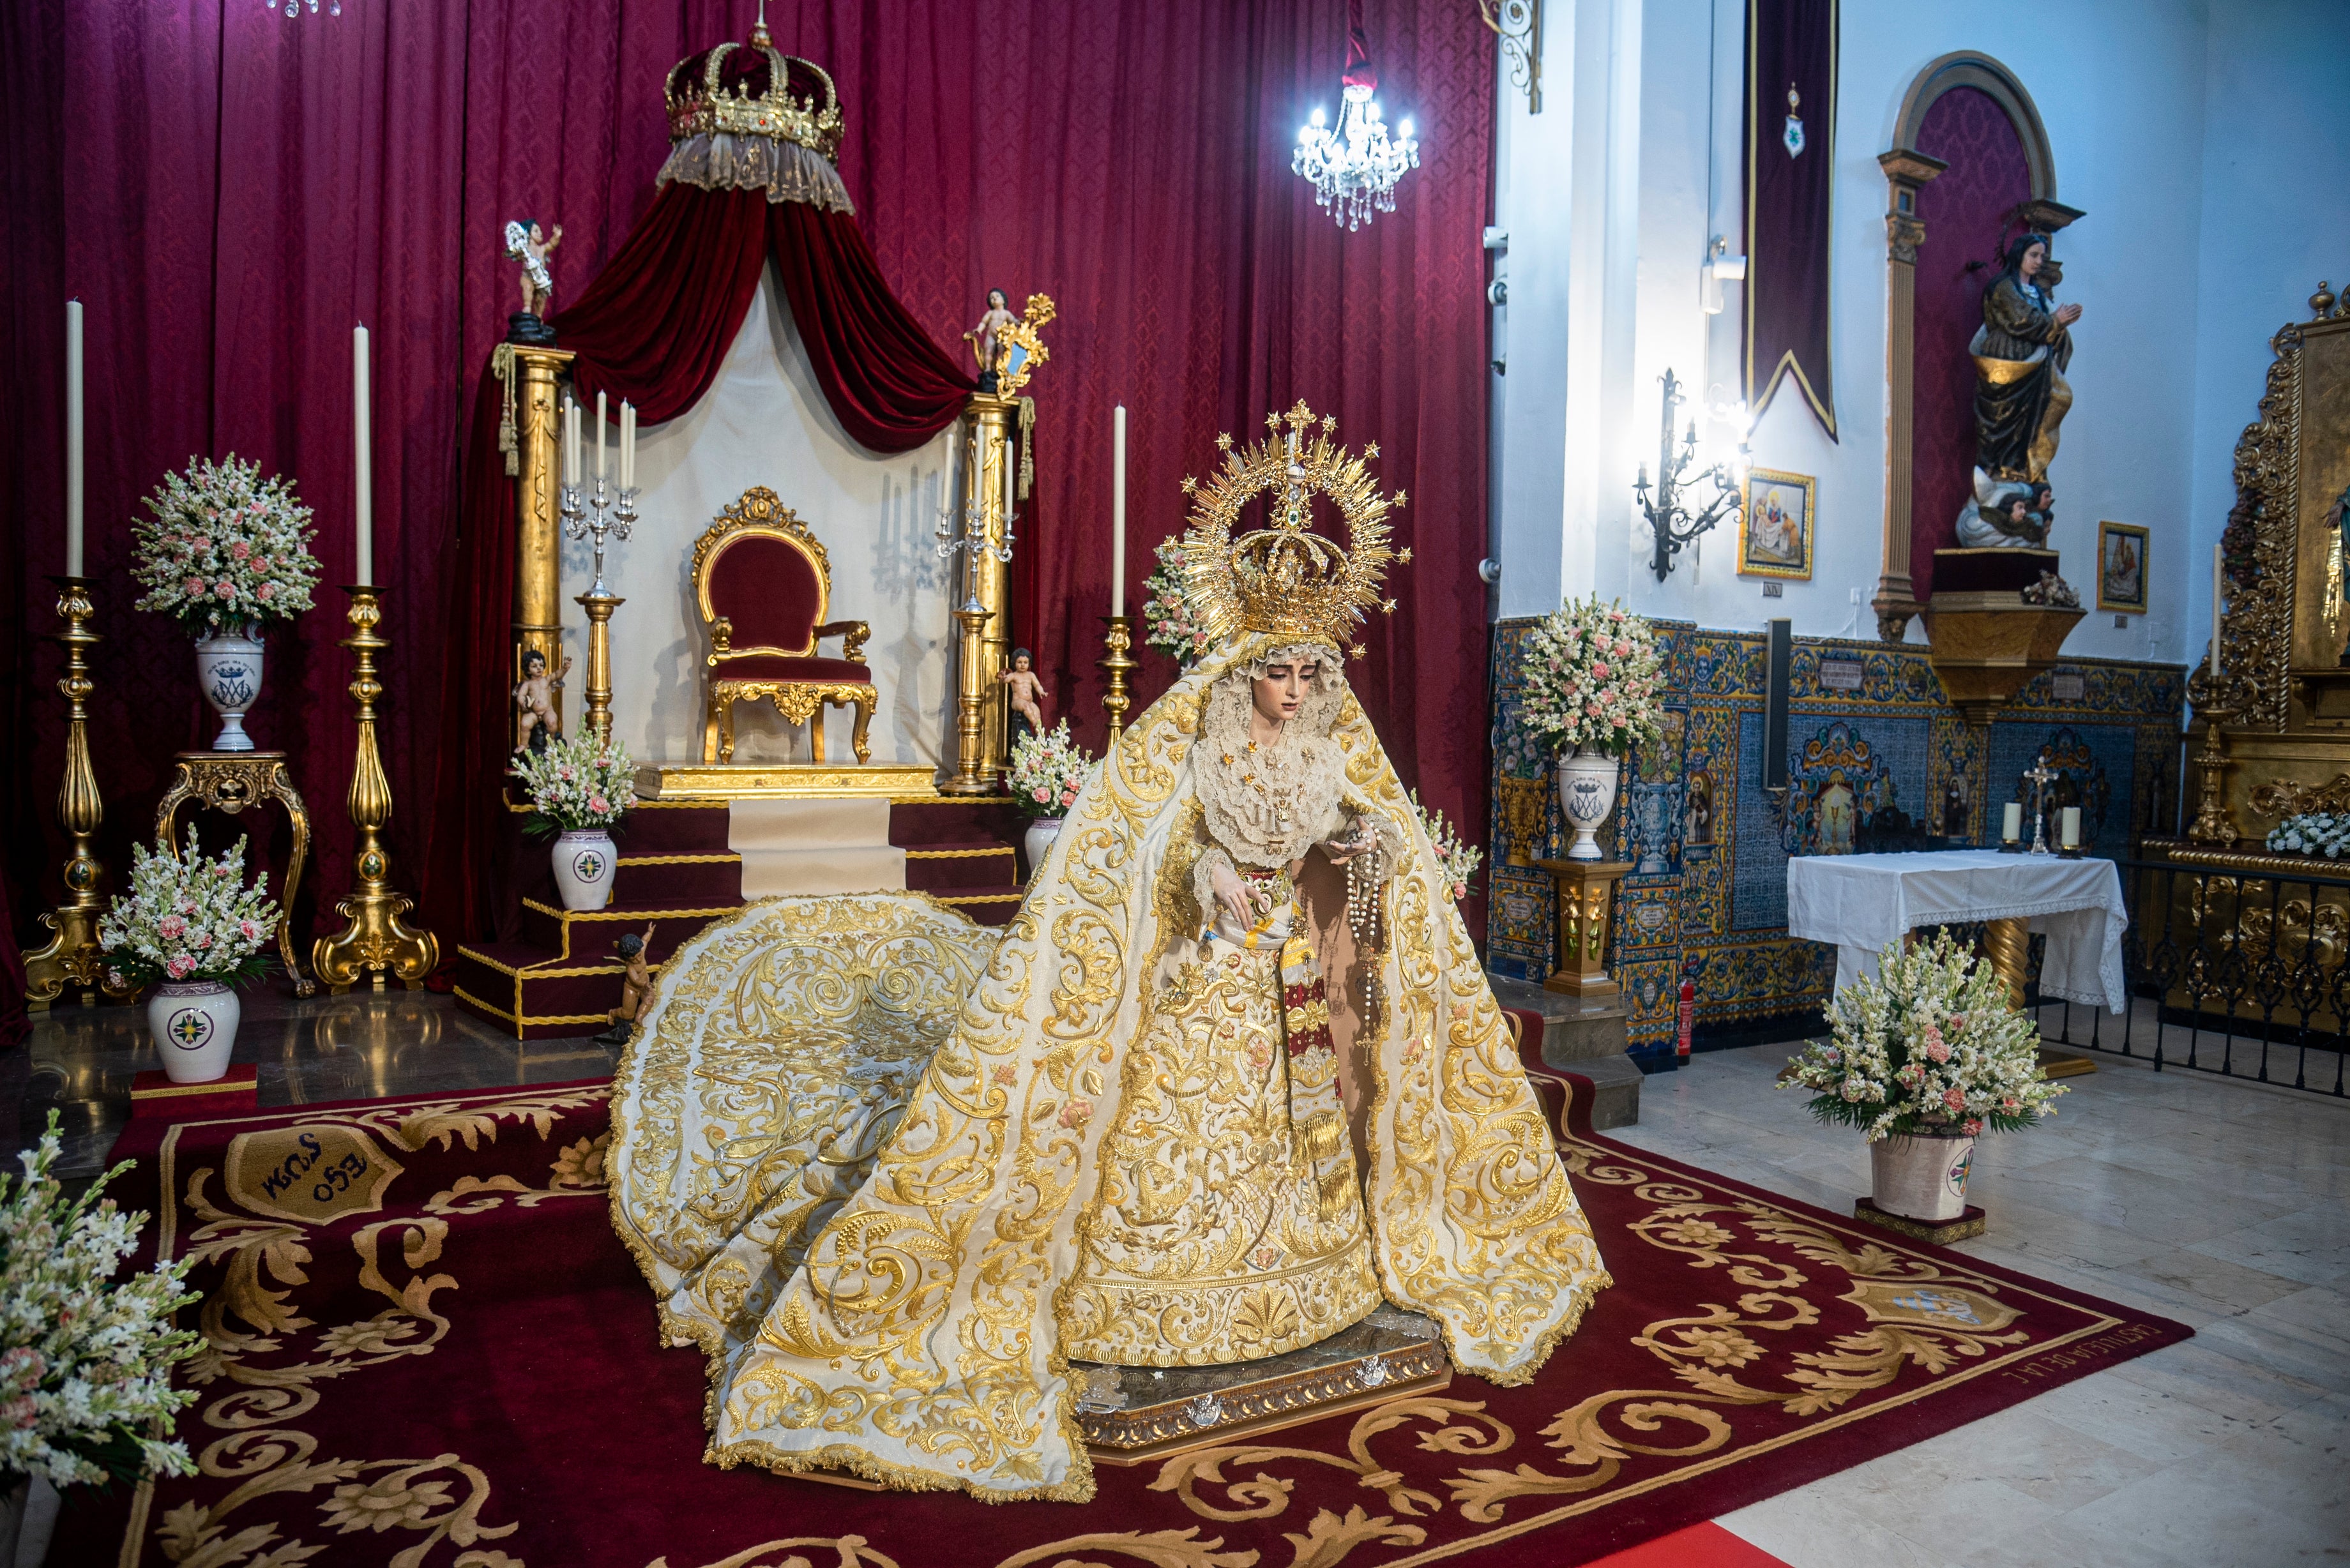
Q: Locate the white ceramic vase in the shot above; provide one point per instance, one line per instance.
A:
(1039, 840)
(195, 1025)
(1586, 794)
(1921, 1177)
(585, 864)
(228, 672)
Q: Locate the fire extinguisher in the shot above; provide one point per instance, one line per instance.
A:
(1687, 1014)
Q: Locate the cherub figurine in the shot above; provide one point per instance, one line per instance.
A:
(534, 699)
(1027, 689)
(636, 986)
(982, 336)
(526, 243)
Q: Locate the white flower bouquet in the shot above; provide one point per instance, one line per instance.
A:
(577, 784)
(1047, 771)
(1929, 1047)
(1167, 623)
(225, 548)
(2311, 833)
(1458, 860)
(188, 919)
(85, 1362)
(1594, 678)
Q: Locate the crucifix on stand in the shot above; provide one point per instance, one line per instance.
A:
(2041, 775)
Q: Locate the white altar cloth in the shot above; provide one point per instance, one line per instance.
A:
(1866, 903)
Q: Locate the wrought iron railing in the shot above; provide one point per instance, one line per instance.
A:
(2240, 971)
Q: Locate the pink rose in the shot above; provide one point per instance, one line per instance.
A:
(204, 543)
(1599, 672)
(268, 591)
(224, 588)
(1958, 1022)
(599, 805)
(196, 585)
(1068, 797)
(20, 1412)
(1939, 1051)
(1954, 1099)
(1076, 1114)
(240, 551)
(204, 941)
(1972, 1126)
(249, 930)
(1044, 797)
(261, 562)
(180, 966)
(170, 928)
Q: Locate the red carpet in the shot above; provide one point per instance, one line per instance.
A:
(427, 1351)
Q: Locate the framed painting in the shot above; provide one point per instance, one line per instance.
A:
(1774, 526)
(2121, 569)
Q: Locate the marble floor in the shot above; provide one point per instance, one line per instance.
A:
(2223, 1204)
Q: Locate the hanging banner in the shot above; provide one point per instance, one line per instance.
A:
(1791, 86)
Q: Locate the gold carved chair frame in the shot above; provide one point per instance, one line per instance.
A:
(760, 514)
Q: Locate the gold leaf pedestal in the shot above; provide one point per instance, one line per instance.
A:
(1585, 888)
(377, 941)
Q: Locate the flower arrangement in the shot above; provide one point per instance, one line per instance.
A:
(225, 548)
(1929, 1047)
(188, 919)
(577, 785)
(2322, 833)
(1047, 771)
(1593, 678)
(84, 1362)
(1168, 624)
(1458, 860)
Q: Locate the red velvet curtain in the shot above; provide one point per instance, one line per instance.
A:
(228, 191)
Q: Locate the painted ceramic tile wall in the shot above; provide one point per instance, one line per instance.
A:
(1878, 760)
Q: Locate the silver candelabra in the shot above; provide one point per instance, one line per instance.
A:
(965, 545)
(607, 510)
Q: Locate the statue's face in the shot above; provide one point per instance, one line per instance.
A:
(533, 664)
(1281, 691)
(995, 300)
(2032, 256)
(1020, 665)
(537, 237)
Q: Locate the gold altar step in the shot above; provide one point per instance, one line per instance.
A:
(788, 781)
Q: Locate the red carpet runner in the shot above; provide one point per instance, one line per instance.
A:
(427, 1351)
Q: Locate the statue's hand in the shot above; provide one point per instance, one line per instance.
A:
(1233, 895)
(2067, 314)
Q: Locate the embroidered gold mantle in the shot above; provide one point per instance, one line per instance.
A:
(918, 1341)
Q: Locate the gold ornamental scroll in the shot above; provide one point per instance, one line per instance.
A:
(532, 378)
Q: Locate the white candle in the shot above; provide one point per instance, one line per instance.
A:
(2068, 835)
(362, 463)
(627, 445)
(1117, 510)
(2218, 565)
(2010, 822)
(73, 438)
(601, 460)
(571, 441)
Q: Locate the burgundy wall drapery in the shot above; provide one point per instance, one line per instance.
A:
(254, 185)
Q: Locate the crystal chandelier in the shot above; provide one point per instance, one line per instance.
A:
(1354, 169)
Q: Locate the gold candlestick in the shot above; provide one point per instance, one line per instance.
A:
(377, 939)
(72, 955)
(600, 606)
(1117, 664)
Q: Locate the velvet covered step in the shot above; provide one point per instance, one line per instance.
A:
(814, 847)
(552, 972)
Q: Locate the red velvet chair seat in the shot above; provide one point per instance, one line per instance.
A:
(771, 666)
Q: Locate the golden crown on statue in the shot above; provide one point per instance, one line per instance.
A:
(1287, 579)
(727, 91)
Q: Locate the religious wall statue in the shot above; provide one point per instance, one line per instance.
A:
(1232, 1076)
(536, 722)
(983, 337)
(2020, 352)
(535, 248)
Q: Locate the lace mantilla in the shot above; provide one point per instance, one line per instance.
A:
(1266, 805)
(786, 171)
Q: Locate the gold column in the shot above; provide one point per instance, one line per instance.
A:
(2007, 942)
(377, 939)
(72, 955)
(534, 389)
(982, 586)
(1907, 172)
(597, 720)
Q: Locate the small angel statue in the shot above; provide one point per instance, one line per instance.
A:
(983, 337)
(636, 985)
(1026, 688)
(534, 700)
(530, 246)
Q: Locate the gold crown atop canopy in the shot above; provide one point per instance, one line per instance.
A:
(1285, 578)
(727, 90)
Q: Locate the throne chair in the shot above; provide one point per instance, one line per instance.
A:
(762, 583)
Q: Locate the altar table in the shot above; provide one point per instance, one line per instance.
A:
(1866, 903)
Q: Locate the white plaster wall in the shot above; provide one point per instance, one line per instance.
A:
(765, 421)
(2205, 145)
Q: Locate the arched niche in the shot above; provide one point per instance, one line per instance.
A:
(1910, 165)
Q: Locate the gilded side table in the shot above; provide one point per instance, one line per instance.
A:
(1584, 890)
(230, 781)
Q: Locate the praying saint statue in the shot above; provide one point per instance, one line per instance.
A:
(535, 723)
(530, 246)
(2020, 352)
(1027, 691)
(983, 337)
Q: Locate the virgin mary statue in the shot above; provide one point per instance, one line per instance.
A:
(1232, 1076)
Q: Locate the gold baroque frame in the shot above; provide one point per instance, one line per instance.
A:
(1024, 334)
(2144, 567)
(1805, 528)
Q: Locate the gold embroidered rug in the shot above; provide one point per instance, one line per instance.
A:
(427, 1350)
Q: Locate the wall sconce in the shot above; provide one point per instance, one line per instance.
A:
(1668, 513)
(1720, 267)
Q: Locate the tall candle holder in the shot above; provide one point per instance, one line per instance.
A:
(72, 957)
(1117, 665)
(977, 538)
(377, 941)
(608, 510)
